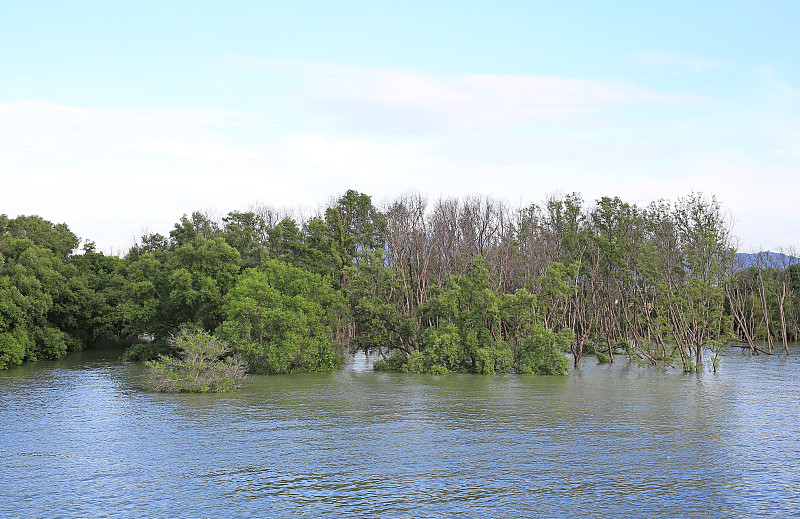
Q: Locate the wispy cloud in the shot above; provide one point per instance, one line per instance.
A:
(384, 99)
(777, 85)
(385, 131)
(46, 126)
(674, 60)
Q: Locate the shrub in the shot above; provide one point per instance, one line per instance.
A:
(141, 351)
(418, 362)
(204, 364)
(395, 363)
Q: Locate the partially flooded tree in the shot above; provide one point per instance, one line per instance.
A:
(696, 298)
(741, 293)
(201, 364)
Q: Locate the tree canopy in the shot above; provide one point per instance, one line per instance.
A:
(451, 285)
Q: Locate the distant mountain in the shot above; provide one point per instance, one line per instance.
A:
(777, 259)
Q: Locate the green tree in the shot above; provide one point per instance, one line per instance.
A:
(285, 242)
(184, 285)
(143, 309)
(32, 282)
(462, 325)
(202, 272)
(14, 338)
(100, 287)
(42, 233)
(247, 233)
(281, 318)
(375, 297)
(697, 308)
(356, 228)
(201, 364)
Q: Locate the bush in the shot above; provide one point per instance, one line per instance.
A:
(396, 363)
(418, 363)
(141, 351)
(204, 365)
(553, 363)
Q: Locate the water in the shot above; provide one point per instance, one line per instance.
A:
(79, 438)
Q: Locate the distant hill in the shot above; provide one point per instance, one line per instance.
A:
(773, 258)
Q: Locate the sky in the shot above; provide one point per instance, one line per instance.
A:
(117, 118)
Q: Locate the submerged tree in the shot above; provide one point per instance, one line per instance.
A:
(695, 291)
(469, 327)
(202, 364)
(455, 285)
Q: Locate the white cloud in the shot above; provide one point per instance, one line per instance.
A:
(394, 100)
(385, 132)
(414, 101)
(677, 61)
(48, 127)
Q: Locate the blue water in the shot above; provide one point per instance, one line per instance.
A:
(79, 438)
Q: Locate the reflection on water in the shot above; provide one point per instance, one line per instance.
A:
(79, 438)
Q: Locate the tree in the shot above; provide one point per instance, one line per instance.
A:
(281, 319)
(696, 291)
(14, 338)
(50, 300)
(356, 227)
(202, 272)
(33, 282)
(247, 233)
(99, 285)
(463, 325)
(42, 233)
(144, 308)
(536, 349)
(376, 299)
(183, 285)
(202, 364)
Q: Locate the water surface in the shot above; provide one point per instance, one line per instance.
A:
(80, 438)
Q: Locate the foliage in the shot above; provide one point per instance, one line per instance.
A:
(543, 352)
(602, 358)
(43, 302)
(280, 318)
(471, 328)
(203, 364)
(142, 351)
(374, 296)
(57, 238)
(397, 363)
(169, 289)
(455, 285)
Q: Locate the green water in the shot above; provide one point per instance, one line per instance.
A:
(79, 438)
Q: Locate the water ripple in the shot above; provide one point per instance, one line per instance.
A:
(80, 439)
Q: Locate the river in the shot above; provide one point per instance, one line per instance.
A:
(80, 438)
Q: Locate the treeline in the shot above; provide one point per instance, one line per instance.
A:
(466, 285)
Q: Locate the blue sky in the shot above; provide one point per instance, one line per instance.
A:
(120, 117)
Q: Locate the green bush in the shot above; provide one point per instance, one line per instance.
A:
(418, 362)
(396, 363)
(553, 363)
(324, 360)
(204, 365)
(142, 351)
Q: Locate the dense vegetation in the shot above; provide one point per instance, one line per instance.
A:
(466, 285)
(201, 364)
